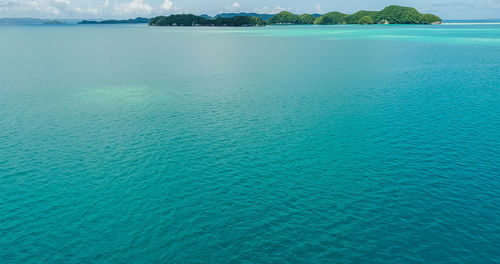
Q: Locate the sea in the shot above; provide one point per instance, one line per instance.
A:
(279, 144)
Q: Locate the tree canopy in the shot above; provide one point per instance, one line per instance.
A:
(366, 20)
(429, 19)
(392, 14)
(284, 18)
(177, 20)
(400, 15)
(354, 18)
(192, 20)
(331, 18)
(237, 21)
(307, 19)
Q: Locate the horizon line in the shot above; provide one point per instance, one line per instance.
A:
(134, 17)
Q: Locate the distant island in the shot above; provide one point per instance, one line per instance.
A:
(139, 20)
(37, 21)
(390, 15)
(53, 22)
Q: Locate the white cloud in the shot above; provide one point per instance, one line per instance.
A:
(88, 9)
(275, 10)
(93, 10)
(233, 8)
(135, 7)
(45, 8)
(167, 5)
(318, 9)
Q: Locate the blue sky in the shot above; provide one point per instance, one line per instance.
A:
(448, 9)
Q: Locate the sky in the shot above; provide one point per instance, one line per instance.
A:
(59, 9)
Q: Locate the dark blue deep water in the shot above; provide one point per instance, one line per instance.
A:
(315, 144)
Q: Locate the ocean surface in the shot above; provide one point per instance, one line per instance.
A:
(284, 144)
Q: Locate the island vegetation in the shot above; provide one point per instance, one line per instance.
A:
(307, 19)
(356, 17)
(285, 18)
(390, 15)
(193, 20)
(264, 17)
(331, 18)
(366, 20)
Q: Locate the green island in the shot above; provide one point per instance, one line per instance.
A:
(193, 20)
(390, 15)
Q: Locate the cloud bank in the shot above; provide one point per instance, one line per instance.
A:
(135, 7)
(447, 9)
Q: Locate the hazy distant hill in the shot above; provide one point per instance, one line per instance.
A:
(139, 20)
(264, 17)
(21, 21)
(35, 21)
(231, 15)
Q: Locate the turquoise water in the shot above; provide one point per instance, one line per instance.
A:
(341, 144)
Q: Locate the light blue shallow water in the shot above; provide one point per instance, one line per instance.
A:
(347, 144)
